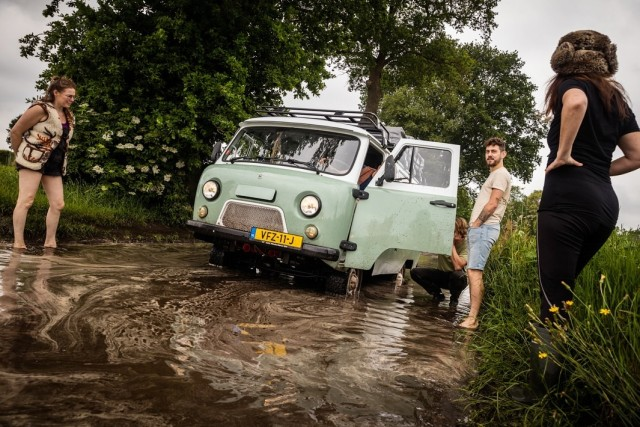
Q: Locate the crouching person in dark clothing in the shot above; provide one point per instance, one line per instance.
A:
(450, 273)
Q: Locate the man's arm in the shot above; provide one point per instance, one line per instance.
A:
(489, 208)
(457, 261)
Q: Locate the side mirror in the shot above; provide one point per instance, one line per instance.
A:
(215, 152)
(389, 171)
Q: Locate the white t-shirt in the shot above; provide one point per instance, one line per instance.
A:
(499, 179)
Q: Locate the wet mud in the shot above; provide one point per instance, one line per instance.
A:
(151, 335)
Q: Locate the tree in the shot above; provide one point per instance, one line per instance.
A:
(489, 96)
(160, 80)
(380, 35)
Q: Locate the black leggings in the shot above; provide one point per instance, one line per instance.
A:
(566, 243)
(432, 280)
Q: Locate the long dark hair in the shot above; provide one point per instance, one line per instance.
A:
(59, 84)
(612, 94)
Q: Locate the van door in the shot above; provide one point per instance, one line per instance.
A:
(414, 213)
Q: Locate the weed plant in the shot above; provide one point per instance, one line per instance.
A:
(599, 353)
(89, 213)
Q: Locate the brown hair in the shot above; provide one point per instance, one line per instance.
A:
(59, 84)
(461, 227)
(494, 140)
(611, 93)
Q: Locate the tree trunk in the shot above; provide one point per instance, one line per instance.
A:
(374, 87)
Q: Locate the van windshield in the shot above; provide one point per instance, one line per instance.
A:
(328, 152)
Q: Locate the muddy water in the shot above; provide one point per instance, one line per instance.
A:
(151, 335)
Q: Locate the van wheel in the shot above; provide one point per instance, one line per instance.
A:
(220, 258)
(347, 284)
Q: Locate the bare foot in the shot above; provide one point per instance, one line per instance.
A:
(20, 247)
(470, 323)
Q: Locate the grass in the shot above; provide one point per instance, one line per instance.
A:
(599, 353)
(89, 215)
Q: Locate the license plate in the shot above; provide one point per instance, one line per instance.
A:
(276, 237)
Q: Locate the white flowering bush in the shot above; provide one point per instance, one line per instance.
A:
(135, 154)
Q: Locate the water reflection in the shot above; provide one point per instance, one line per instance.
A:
(152, 335)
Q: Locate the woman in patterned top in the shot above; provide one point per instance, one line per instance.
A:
(40, 139)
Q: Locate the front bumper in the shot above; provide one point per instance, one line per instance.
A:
(209, 233)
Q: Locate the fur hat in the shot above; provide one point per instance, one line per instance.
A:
(585, 52)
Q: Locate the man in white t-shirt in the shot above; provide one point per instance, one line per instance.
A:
(484, 227)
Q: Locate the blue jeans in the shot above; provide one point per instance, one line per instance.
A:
(481, 240)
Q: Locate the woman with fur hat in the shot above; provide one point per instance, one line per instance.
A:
(591, 117)
(578, 208)
(40, 140)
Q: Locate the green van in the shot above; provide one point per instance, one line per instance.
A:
(326, 194)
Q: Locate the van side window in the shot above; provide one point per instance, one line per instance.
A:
(372, 162)
(424, 166)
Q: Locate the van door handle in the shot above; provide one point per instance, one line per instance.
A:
(442, 203)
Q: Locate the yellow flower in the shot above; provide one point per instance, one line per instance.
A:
(568, 303)
(605, 311)
(542, 355)
(554, 309)
(602, 277)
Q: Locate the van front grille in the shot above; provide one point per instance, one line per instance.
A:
(243, 216)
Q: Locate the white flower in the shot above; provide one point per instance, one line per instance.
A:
(104, 188)
(120, 146)
(129, 145)
(169, 149)
(144, 169)
(179, 164)
(98, 169)
(129, 169)
(133, 193)
(139, 147)
(91, 150)
(167, 177)
(120, 134)
(155, 169)
(135, 120)
(159, 189)
(137, 137)
(107, 136)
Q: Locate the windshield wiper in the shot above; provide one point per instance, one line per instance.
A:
(310, 164)
(235, 159)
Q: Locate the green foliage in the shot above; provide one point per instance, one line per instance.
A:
(599, 354)
(389, 35)
(89, 213)
(491, 96)
(159, 81)
(522, 211)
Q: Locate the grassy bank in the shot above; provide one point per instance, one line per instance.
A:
(89, 215)
(599, 354)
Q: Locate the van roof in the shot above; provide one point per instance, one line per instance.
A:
(366, 121)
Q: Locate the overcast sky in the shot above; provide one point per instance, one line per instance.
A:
(532, 28)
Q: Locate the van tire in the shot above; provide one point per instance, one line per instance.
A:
(220, 258)
(347, 284)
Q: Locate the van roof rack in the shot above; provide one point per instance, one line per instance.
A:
(363, 119)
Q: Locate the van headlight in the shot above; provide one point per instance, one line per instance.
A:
(210, 190)
(310, 206)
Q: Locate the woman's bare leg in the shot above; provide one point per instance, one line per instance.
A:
(55, 194)
(28, 183)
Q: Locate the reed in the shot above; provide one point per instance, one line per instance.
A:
(599, 353)
(89, 213)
